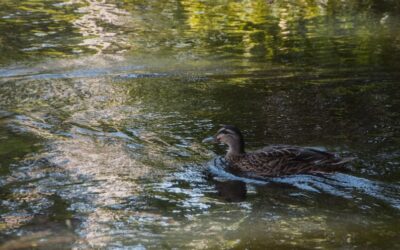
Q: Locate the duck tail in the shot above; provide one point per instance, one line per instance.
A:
(344, 161)
(341, 165)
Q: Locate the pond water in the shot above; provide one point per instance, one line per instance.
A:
(103, 106)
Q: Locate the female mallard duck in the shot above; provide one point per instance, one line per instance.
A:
(276, 160)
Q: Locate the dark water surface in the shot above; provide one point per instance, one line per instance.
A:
(103, 106)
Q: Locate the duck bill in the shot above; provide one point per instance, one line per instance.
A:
(210, 139)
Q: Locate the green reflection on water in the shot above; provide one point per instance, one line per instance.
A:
(325, 34)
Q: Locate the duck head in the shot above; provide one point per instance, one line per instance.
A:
(231, 136)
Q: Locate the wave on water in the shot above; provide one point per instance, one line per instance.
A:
(338, 184)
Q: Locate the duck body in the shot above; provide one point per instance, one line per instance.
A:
(276, 160)
(280, 160)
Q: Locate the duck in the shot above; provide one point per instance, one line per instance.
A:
(275, 160)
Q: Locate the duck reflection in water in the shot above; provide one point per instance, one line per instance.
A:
(231, 190)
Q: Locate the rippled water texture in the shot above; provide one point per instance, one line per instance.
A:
(103, 106)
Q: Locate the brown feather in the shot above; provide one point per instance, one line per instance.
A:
(278, 160)
(286, 160)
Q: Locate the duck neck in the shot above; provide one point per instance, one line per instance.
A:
(235, 151)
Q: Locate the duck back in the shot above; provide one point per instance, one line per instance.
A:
(280, 160)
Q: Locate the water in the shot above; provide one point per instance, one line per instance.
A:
(103, 106)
